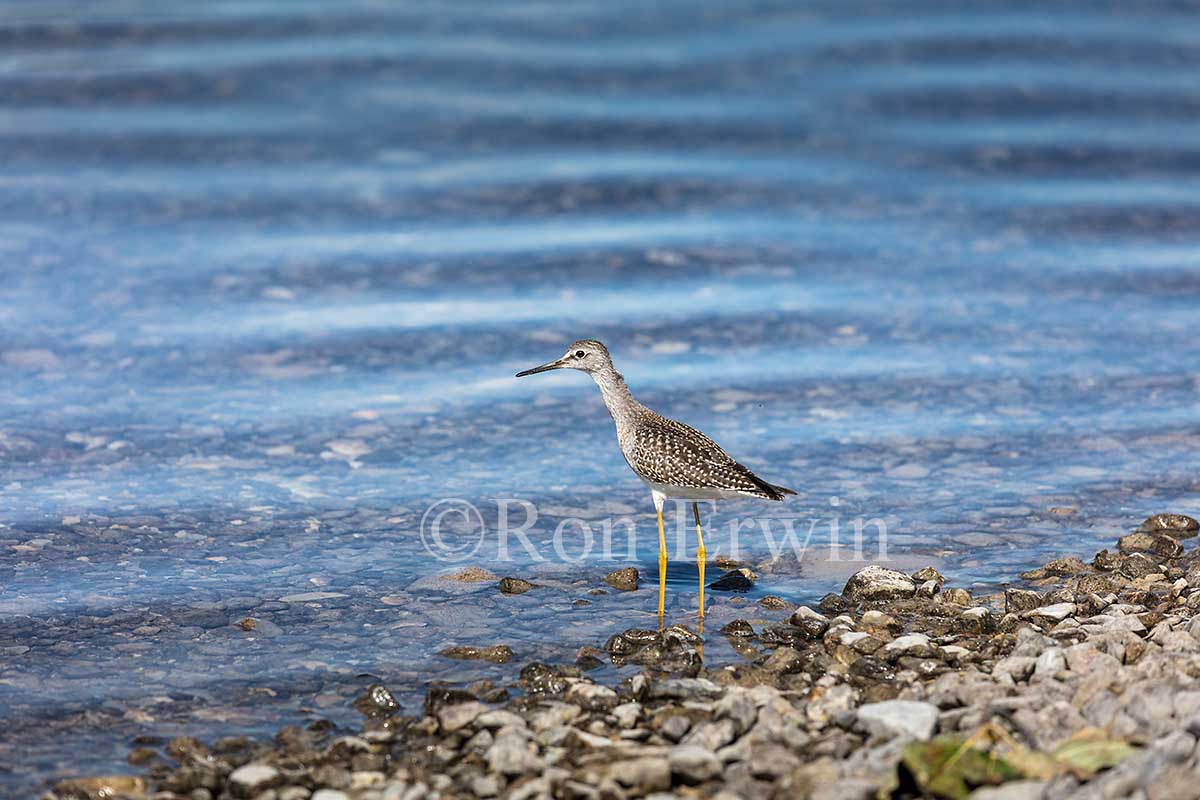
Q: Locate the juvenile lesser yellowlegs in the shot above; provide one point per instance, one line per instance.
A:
(675, 460)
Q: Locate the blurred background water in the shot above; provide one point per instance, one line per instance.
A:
(268, 268)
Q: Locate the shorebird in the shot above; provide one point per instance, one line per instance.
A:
(674, 460)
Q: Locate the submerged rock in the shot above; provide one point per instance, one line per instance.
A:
(625, 580)
(470, 575)
(514, 585)
(775, 603)
(497, 654)
(736, 580)
(377, 701)
(739, 627)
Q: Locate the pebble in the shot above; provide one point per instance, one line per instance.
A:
(625, 580)
(693, 763)
(511, 754)
(909, 718)
(916, 645)
(514, 585)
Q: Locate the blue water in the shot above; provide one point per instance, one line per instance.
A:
(269, 267)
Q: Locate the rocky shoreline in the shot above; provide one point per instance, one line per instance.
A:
(1084, 683)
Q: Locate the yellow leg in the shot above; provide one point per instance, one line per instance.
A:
(662, 568)
(700, 554)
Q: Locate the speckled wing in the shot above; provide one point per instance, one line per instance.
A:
(669, 452)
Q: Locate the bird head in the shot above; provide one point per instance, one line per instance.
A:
(587, 355)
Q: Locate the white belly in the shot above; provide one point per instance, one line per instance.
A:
(664, 490)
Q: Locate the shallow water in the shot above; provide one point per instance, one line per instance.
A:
(269, 269)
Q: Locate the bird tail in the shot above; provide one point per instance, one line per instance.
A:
(770, 490)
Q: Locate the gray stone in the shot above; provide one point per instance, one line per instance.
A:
(1050, 663)
(253, 778)
(511, 754)
(646, 774)
(625, 580)
(890, 718)
(1049, 616)
(460, 715)
(693, 763)
(738, 707)
(878, 583)
(916, 645)
(1014, 790)
(592, 697)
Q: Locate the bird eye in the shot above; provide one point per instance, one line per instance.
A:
(579, 354)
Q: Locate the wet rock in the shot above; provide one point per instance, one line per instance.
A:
(1018, 600)
(872, 670)
(909, 718)
(928, 574)
(1065, 567)
(976, 621)
(497, 654)
(1157, 544)
(112, 787)
(783, 661)
(514, 586)
(693, 764)
(252, 779)
(539, 678)
(1178, 526)
(832, 604)
(782, 634)
(437, 697)
(1137, 565)
(625, 580)
(736, 580)
(877, 621)
(1106, 561)
(811, 624)
(775, 603)
(377, 702)
(875, 583)
(928, 589)
(739, 628)
(956, 596)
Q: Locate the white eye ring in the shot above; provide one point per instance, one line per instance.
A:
(579, 354)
